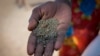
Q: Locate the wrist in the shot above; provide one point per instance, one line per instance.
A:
(64, 1)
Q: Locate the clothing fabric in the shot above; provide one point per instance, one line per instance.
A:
(94, 48)
(87, 7)
(85, 28)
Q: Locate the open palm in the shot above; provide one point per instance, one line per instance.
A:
(62, 13)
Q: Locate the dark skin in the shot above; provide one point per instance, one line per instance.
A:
(59, 10)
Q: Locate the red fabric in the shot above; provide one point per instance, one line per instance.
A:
(69, 52)
(85, 30)
(89, 27)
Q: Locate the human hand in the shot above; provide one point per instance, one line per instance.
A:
(62, 13)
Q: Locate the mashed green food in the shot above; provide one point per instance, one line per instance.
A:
(46, 30)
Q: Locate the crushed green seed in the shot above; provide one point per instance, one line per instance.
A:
(46, 31)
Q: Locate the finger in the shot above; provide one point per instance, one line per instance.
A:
(60, 40)
(39, 50)
(35, 17)
(47, 8)
(31, 44)
(61, 34)
(49, 49)
(32, 25)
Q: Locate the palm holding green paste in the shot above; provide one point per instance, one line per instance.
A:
(60, 12)
(46, 31)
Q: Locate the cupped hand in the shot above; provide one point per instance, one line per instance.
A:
(58, 10)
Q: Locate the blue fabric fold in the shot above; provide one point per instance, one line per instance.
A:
(69, 31)
(87, 6)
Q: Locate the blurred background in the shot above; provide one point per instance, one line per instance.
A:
(13, 27)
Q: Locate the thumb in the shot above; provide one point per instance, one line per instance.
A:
(32, 25)
(35, 17)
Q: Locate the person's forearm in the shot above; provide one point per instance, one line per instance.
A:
(61, 0)
(64, 1)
